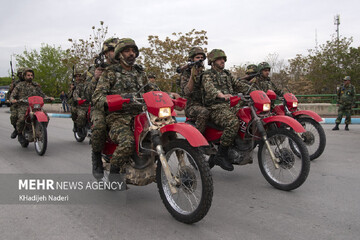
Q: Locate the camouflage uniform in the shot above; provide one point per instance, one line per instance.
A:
(220, 112)
(264, 83)
(81, 111)
(116, 80)
(72, 102)
(22, 91)
(345, 98)
(98, 128)
(194, 109)
(13, 107)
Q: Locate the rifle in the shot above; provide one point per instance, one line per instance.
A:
(249, 77)
(12, 71)
(73, 74)
(190, 64)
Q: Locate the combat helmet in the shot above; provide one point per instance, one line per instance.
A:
(109, 44)
(251, 69)
(215, 54)
(78, 72)
(151, 75)
(124, 43)
(263, 65)
(195, 51)
(347, 78)
(19, 73)
(25, 70)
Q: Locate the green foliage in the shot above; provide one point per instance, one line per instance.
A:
(325, 67)
(164, 56)
(51, 67)
(5, 81)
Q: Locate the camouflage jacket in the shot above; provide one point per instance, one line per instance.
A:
(346, 95)
(194, 98)
(116, 80)
(90, 82)
(24, 89)
(265, 84)
(11, 88)
(79, 92)
(214, 81)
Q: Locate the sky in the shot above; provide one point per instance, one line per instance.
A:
(248, 31)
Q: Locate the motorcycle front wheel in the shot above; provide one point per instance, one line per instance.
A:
(314, 137)
(195, 185)
(293, 167)
(40, 139)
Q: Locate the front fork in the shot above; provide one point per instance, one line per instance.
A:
(262, 131)
(172, 181)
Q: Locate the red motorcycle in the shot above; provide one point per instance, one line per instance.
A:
(314, 137)
(161, 155)
(282, 156)
(81, 133)
(36, 121)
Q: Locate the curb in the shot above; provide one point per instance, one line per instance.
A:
(182, 119)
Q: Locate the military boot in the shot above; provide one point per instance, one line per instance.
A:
(347, 127)
(115, 176)
(21, 138)
(336, 127)
(97, 165)
(14, 134)
(221, 159)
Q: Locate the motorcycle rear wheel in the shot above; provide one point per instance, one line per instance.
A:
(40, 140)
(293, 168)
(195, 189)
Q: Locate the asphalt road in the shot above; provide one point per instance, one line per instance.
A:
(244, 206)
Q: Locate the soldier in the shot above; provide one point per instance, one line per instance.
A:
(345, 100)
(191, 88)
(13, 107)
(251, 71)
(219, 83)
(22, 91)
(263, 81)
(77, 92)
(98, 129)
(152, 78)
(123, 78)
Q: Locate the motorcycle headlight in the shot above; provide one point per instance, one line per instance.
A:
(266, 107)
(164, 112)
(295, 104)
(37, 106)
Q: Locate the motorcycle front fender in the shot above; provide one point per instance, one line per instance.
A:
(190, 133)
(309, 113)
(287, 120)
(41, 116)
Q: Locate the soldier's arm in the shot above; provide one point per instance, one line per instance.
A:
(102, 89)
(211, 92)
(14, 94)
(241, 86)
(184, 80)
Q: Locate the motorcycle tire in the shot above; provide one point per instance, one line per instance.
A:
(25, 144)
(79, 136)
(314, 137)
(293, 167)
(188, 165)
(40, 139)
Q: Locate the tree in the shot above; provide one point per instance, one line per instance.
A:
(5, 81)
(82, 51)
(164, 56)
(51, 67)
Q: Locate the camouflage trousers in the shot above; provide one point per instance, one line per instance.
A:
(98, 130)
(20, 114)
(344, 110)
(121, 134)
(73, 112)
(199, 114)
(81, 119)
(225, 117)
(13, 115)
